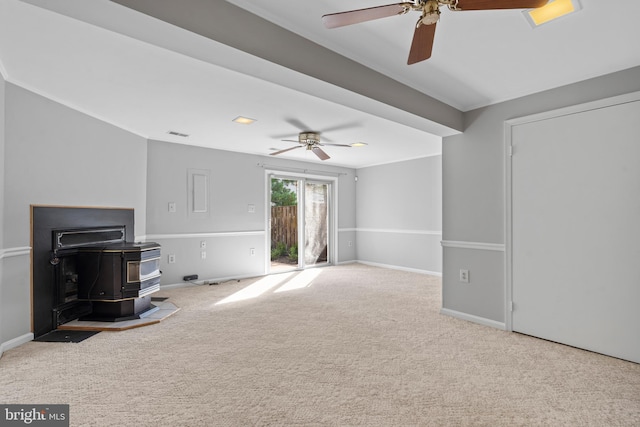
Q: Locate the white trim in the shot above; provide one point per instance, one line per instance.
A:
(201, 235)
(352, 261)
(226, 279)
(475, 319)
(574, 109)
(508, 223)
(15, 342)
(499, 247)
(399, 231)
(398, 267)
(11, 252)
(218, 280)
(508, 154)
(301, 172)
(346, 230)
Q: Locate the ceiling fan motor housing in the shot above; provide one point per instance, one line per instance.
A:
(309, 137)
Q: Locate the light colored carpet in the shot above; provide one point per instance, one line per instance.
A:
(359, 346)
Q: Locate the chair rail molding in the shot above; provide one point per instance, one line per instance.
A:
(499, 247)
(400, 231)
(13, 252)
(200, 235)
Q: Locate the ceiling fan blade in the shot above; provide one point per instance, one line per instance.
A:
(285, 150)
(340, 19)
(290, 140)
(422, 43)
(336, 145)
(342, 127)
(321, 154)
(298, 124)
(499, 4)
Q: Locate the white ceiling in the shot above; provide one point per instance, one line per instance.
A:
(479, 57)
(150, 77)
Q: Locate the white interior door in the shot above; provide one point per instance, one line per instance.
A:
(575, 235)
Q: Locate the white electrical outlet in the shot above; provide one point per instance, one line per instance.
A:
(464, 275)
(172, 207)
(203, 255)
(251, 208)
(350, 243)
(252, 251)
(171, 258)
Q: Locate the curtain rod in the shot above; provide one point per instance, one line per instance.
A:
(300, 170)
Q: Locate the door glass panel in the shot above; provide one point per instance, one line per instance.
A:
(284, 224)
(316, 224)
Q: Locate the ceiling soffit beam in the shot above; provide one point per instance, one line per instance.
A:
(237, 28)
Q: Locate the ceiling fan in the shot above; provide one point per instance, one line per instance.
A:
(425, 29)
(310, 140)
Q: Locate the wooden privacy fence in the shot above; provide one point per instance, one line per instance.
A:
(284, 225)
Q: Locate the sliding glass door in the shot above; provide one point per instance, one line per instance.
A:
(299, 222)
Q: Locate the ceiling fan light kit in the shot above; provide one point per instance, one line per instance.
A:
(553, 10)
(424, 34)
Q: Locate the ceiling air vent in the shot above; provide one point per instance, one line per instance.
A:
(172, 132)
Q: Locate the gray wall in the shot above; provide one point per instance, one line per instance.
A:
(229, 229)
(58, 156)
(54, 155)
(399, 214)
(3, 336)
(473, 192)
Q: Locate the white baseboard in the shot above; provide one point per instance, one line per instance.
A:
(200, 282)
(352, 261)
(401, 268)
(374, 264)
(8, 345)
(474, 319)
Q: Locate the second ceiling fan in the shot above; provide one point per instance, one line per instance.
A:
(311, 141)
(425, 29)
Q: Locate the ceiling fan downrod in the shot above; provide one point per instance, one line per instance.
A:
(430, 12)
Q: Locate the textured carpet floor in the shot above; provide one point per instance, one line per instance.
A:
(358, 346)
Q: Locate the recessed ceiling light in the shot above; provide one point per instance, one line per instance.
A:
(243, 120)
(550, 11)
(359, 144)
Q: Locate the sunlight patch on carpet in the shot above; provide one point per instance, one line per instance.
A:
(256, 289)
(302, 280)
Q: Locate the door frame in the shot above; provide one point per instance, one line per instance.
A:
(508, 188)
(332, 255)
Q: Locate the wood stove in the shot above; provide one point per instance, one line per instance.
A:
(102, 277)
